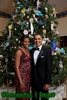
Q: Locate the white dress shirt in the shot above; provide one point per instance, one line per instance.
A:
(36, 53)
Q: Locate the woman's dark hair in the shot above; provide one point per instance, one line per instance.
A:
(23, 37)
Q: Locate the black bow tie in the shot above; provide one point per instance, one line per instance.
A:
(36, 49)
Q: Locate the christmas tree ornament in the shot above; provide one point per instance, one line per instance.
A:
(41, 23)
(22, 24)
(21, 6)
(31, 20)
(10, 26)
(25, 32)
(60, 65)
(31, 25)
(9, 36)
(6, 45)
(31, 28)
(48, 40)
(43, 27)
(15, 47)
(46, 9)
(2, 44)
(19, 42)
(30, 47)
(54, 45)
(27, 24)
(30, 9)
(54, 53)
(1, 56)
(27, 17)
(46, 16)
(15, 29)
(18, 7)
(56, 32)
(16, 39)
(18, 3)
(39, 4)
(16, 11)
(54, 12)
(57, 51)
(36, 18)
(13, 16)
(31, 36)
(43, 42)
(6, 60)
(44, 31)
(12, 59)
(38, 13)
(62, 51)
(23, 11)
(52, 24)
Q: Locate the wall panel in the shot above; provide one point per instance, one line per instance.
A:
(62, 27)
(3, 23)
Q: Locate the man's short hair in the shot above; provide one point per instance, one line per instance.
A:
(38, 34)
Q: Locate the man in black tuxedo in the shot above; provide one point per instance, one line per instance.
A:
(40, 69)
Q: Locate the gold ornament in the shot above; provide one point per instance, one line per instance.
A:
(54, 12)
(10, 27)
(57, 51)
(44, 31)
(23, 10)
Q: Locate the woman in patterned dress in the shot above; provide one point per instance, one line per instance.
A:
(23, 68)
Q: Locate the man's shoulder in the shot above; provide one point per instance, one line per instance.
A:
(46, 49)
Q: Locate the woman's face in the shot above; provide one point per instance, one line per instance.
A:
(26, 42)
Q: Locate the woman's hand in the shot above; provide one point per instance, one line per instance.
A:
(22, 86)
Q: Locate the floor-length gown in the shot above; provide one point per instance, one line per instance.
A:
(25, 69)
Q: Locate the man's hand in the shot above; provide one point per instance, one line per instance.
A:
(46, 86)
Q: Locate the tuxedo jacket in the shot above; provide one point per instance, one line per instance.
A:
(41, 72)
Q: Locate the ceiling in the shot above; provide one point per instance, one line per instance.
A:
(7, 5)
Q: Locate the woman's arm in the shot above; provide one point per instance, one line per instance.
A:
(17, 64)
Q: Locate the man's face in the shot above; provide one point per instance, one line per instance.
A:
(37, 40)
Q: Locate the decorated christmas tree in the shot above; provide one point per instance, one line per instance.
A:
(31, 17)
